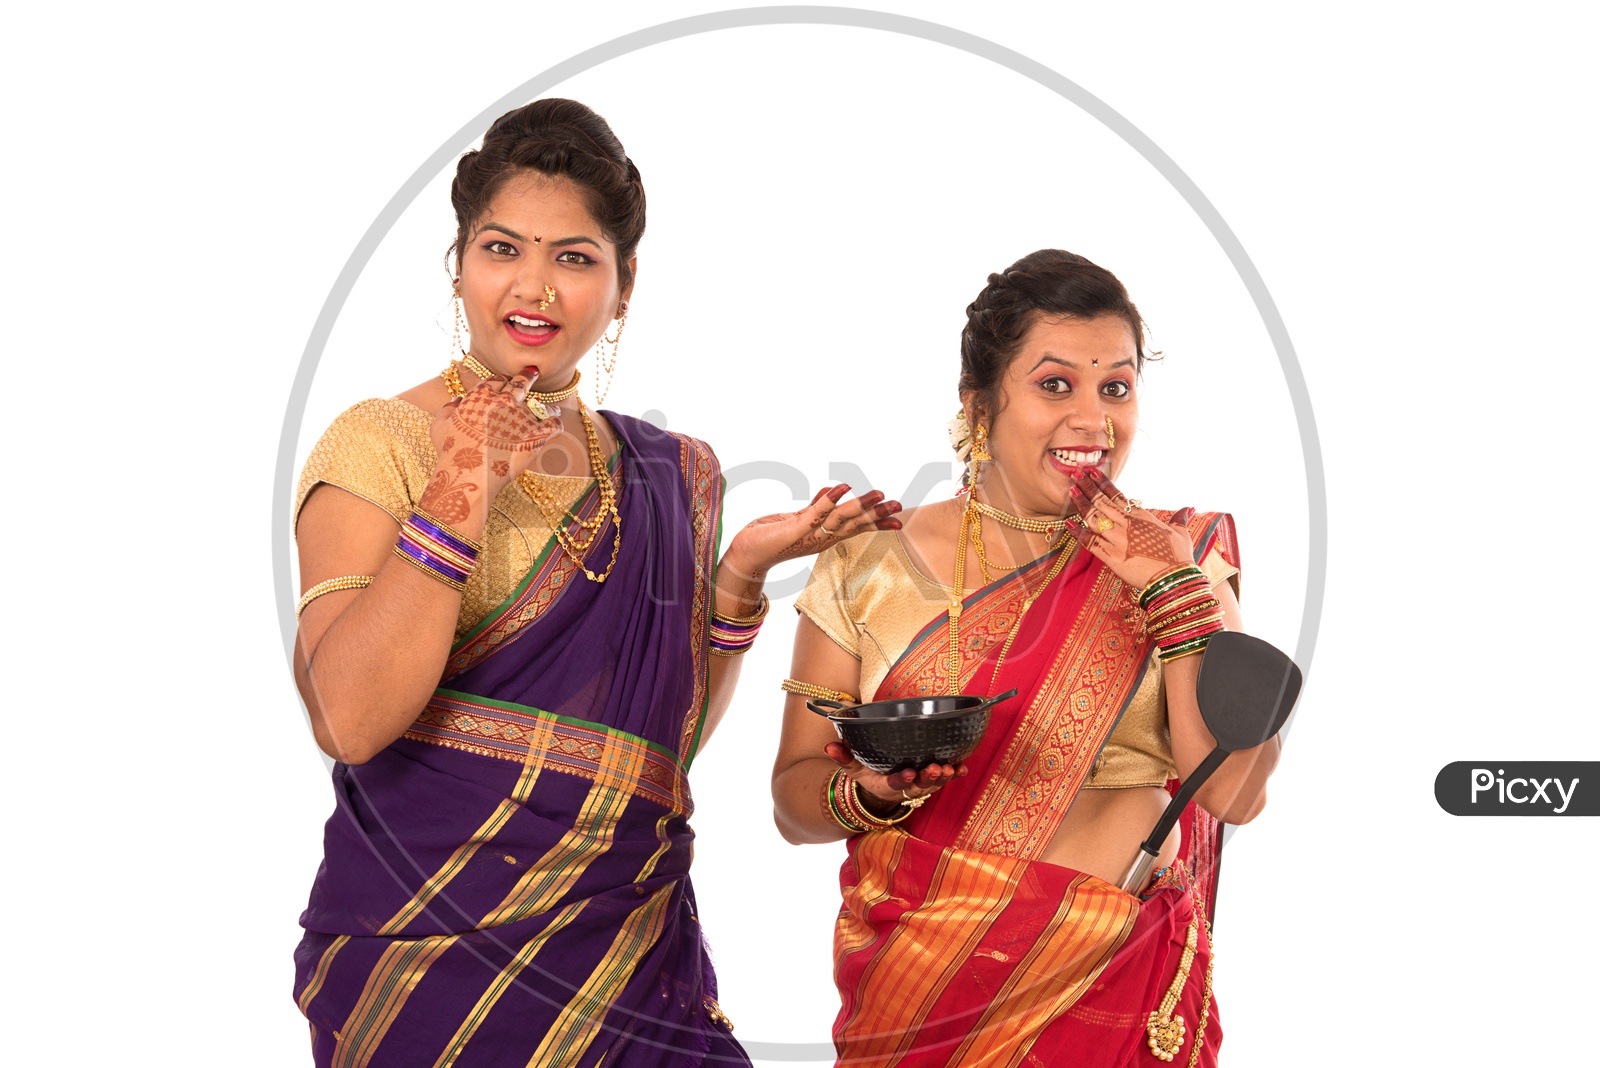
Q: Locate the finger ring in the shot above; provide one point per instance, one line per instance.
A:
(828, 533)
(914, 802)
(1102, 524)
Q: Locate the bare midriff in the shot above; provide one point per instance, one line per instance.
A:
(1105, 828)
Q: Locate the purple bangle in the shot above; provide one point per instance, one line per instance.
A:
(443, 534)
(428, 562)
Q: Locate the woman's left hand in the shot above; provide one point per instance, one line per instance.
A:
(829, 518)
(1129, 540)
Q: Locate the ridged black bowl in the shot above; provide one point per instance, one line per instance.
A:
(891, 736)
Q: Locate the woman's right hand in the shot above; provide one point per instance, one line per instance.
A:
(485, 439)
(907, 785)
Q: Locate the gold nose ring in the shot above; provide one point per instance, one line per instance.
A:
(550, 298)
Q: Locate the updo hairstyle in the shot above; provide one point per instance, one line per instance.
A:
(563, 139)
(1044, 284)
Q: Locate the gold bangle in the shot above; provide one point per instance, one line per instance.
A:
(333, 585)
(859, 809)
(762, 604)
(477, 546)
(806, 689)
(454, 584)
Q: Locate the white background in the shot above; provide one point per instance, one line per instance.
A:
(1414, 185)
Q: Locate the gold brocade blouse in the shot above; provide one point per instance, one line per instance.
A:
(867, 595)
(380, 451)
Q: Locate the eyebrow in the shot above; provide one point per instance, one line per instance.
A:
(563, 243)
(1048, 358)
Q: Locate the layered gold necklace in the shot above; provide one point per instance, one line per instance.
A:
(577, 545)
(972, 533)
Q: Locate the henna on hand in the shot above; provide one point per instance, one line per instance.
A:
(1152, 540)
(446, 497)
(1135, 534)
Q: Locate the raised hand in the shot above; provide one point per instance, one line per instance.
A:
(1129, 540)
(485, 440)
(787, 535)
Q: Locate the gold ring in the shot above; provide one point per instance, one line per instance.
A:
(828, 533)
(1102, 524)
(914, 802)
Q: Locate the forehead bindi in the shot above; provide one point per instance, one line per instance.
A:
(1103, 343)
(539, 204)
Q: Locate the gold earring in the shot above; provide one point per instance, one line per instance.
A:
(461, 323)
(980, 454)
(608, 364)
(549, 297)
(1111, 435)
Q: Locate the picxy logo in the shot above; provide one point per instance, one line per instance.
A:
(1519, 788)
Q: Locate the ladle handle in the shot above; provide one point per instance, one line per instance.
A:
(1138, 872)
(1175, 807)
(826, 704)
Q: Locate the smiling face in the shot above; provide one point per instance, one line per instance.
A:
(1067, 377)
(538, 233)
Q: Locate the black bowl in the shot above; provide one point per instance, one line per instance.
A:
(891, 736)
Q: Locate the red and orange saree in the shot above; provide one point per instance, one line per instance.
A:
(956, 945)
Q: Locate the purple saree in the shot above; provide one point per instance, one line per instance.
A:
(508, 883)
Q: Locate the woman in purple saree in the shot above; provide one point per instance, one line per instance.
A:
(513, 664)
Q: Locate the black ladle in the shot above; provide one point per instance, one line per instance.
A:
(1246, 691)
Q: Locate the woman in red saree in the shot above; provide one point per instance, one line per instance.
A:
(510, 605)
(981, 922)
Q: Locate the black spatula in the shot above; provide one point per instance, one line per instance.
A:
(1246, 691)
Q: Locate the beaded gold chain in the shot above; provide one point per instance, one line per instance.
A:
(1165, 1030)
(1054, 527)
(970, 522)
(537, 402)
(576, 546)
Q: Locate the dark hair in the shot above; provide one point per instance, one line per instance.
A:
(1049, 282)
(564, 139)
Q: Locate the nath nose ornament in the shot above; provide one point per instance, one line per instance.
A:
(549, 297)
(1111, 435)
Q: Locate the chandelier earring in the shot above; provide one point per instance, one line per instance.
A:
(461, 346)
(607, 363)
(980, 454)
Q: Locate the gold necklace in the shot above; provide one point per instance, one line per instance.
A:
(1053, 527)
(477, 367)
(556, 514)
(970, 518)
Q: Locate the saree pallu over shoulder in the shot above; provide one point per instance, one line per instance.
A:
(956, 944)
(508, 881)
(564, 643)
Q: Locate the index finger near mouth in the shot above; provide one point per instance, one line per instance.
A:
(1107, 487)
(522, 381)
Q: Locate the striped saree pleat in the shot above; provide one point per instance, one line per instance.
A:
(547, 880)
(580, 1019)
(399, 970)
